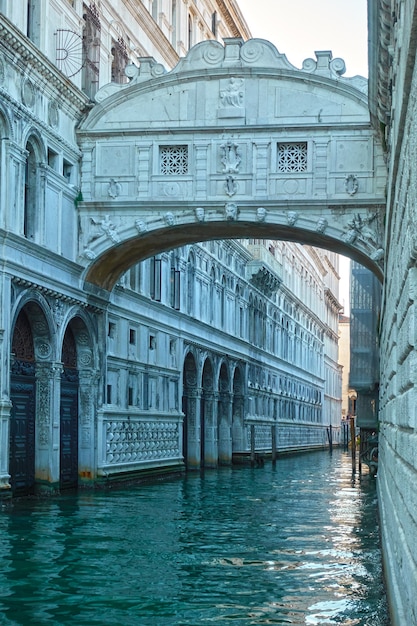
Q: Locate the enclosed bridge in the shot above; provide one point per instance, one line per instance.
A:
(234, 142)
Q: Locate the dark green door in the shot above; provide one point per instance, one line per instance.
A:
(22, 430)
(69, 430)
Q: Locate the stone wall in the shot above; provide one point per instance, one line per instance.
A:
(397, 474)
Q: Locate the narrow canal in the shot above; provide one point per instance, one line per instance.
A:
(292, 544)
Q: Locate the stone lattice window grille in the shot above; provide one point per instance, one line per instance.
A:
(173, 160)
(292, 157)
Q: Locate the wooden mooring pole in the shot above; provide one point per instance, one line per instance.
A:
(353, 443)
(330, 432)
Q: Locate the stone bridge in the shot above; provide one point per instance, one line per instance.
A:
(234, 142)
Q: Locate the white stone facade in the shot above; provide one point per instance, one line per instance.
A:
(195, 350)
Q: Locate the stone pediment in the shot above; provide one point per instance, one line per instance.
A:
(249, 82)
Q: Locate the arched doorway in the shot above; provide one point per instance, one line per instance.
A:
(22, 418)
(68, 457)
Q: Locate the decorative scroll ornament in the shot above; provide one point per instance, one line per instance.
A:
(89, 254)
(351, 184)
(231, 157)
(114, 189)
(325, 65)
(2, 70)
(53, 114)
(230, 186)
(378, 255)
(42, 410)
(58, 311)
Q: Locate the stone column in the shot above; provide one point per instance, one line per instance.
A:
(193, 417)
(5, 410)
(238, 434)
(47, 427)
(16, 162)
(225, 429)
(5, 404)
(88, 401)
(210, 429)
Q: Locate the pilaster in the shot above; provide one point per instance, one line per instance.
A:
(225, 407)
(48, 404)
(88, 392)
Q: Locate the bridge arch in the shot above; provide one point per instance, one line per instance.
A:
(234, 142)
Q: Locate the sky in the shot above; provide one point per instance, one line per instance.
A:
(300, 27)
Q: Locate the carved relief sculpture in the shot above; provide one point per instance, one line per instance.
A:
(260, 214)
(109, 228)
(231, 157)
(230, 186)
(233, 95)
(200, 214)
(231, 211)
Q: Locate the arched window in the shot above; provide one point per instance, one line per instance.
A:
(223, 303)
(251, 319)
(91, 44)
(33, 25)
(31, 193)
(175, 283)
(190, 283)
(212, 303)
(174, 23)
(238, 314)
(190, 31)
(119, 61)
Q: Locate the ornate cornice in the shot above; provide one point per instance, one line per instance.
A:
(381, 22)
(46, 291)
(154, 33)
(332, 300)
(12, 39)
(234, 19)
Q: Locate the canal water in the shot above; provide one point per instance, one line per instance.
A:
(292, 544)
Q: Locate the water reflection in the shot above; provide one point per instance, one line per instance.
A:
(294, 544)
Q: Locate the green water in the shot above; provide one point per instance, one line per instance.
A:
(294, 544)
